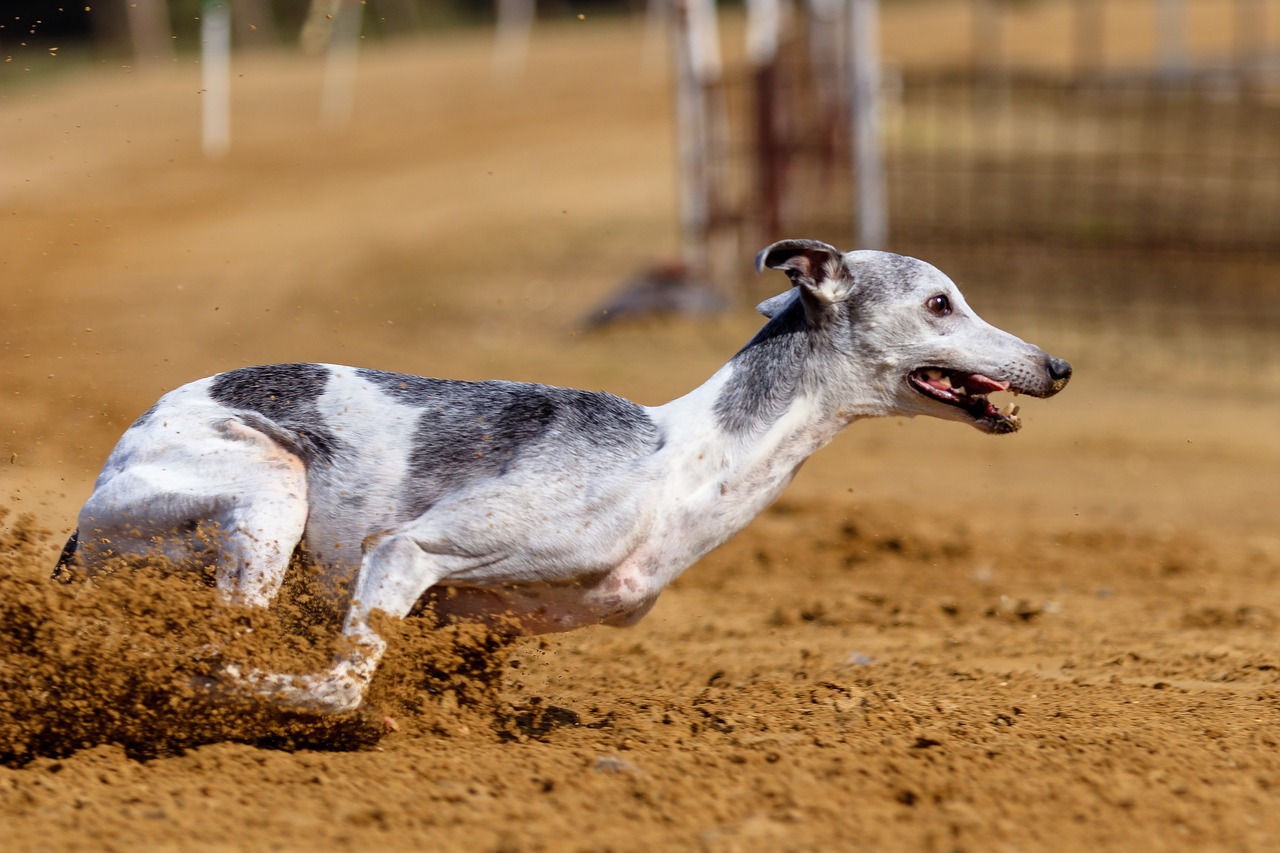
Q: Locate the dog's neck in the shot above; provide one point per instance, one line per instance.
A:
(738, 439)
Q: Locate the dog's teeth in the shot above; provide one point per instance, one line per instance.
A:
(933, 373)
(944, 381)
(1013, 410)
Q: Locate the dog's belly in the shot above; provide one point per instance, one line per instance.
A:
(618, 598)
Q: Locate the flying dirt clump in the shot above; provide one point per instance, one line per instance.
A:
(132, 657)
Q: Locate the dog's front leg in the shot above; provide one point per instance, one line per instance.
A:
(394, 574)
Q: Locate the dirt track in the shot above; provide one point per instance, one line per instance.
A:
(937, 641)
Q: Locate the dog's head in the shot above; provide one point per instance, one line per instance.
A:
(902, 326)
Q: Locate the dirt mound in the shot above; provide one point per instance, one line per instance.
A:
(133, 657)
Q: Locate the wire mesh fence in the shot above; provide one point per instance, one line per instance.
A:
(1139, 212)
(1136, 163)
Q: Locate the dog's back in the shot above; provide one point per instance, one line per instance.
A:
(364, 450)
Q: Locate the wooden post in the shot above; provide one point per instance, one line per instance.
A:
(215, 73)
(987, 46)
(398, 16)
(1090, 48)
(254, 26)
(317, 29)
(1250, 38)
(764, 24)
(657, 21)
(1171, 37)
(868, 154)
(149, 31)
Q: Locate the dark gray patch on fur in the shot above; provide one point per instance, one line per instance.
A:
(68, 556)
(767, 373)
(470, 430)
(353, 501)
(285, 396)
(275, 390)
(145, 416)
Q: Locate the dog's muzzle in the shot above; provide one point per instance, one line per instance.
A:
(1059, 371)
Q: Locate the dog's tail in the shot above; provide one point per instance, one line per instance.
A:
(68, 557)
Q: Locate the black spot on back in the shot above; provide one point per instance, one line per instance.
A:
(472, 430)
(405, 388)
(145, 416)
(286, 395)
(275, 390)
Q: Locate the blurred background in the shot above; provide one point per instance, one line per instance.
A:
(936, 640)
(518, 189)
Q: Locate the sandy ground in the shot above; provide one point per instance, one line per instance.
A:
(938, 640)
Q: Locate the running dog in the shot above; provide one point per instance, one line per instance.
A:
(547, 507)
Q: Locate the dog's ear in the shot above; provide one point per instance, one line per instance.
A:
(816, 268)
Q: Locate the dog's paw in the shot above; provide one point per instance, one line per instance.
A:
(222, 691)
(333, 692)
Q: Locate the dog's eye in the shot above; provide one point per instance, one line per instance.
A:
(940, 305)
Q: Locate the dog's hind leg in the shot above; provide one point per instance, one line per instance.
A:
(256, 537)
(226, 497)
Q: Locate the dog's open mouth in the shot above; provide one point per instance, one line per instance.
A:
(968, 392)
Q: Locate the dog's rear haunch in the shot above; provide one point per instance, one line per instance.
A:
(540, 508)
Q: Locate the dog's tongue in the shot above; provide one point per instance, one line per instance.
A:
(976, 383)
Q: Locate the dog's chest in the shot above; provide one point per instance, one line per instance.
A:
(617, 597)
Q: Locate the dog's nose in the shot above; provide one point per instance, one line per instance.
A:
(1059, 369)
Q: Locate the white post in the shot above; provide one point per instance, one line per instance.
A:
(704, 40)
(868, 155)
(511, 44)
(338, 89)
(690, 140)
(697, 59)
(764, 30)
(215, 71)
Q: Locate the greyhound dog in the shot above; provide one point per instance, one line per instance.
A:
(547, 507)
